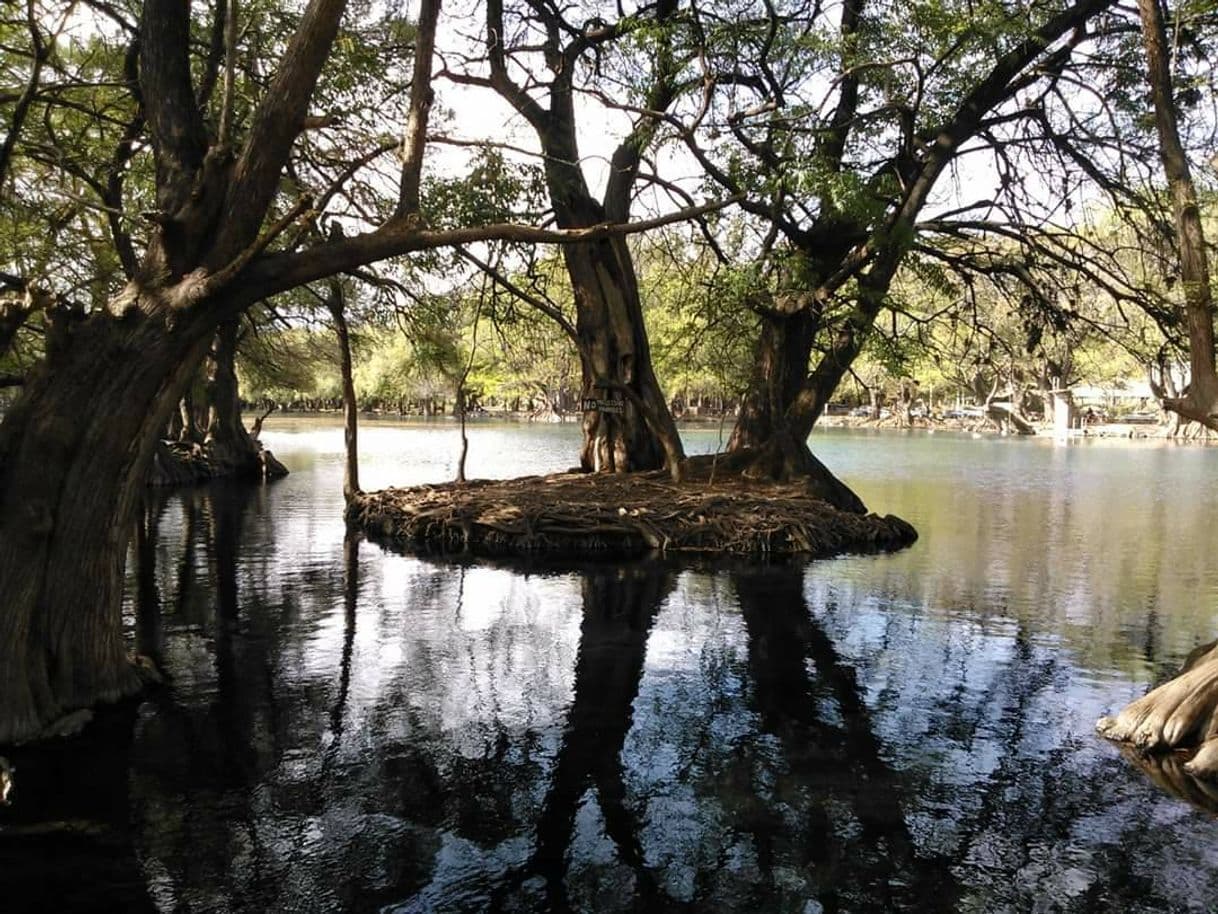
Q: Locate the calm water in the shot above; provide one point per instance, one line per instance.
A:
(349, 729)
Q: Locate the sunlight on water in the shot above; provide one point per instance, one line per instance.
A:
(349, 728)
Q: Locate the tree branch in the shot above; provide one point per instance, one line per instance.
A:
(421, 96)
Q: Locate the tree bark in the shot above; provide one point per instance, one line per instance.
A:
(189, 431)
(616, 354)
(74, 453)
(225, 431)
(780, 367)
(764, 444)
(14, 312)
(1201, 402)
(76, 447)
(225, 449)
(337, 308)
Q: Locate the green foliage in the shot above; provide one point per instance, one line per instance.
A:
(494, 189)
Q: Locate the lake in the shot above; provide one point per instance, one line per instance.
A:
(347, 728)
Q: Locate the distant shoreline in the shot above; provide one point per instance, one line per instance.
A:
(980, 427)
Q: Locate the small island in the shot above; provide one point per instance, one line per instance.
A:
(617, 515)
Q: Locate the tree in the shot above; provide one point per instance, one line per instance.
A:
(837, 173)
(223, 230)
(1183, 711)
(1200, 403)
(610, 333)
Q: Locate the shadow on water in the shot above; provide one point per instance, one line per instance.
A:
(66, 842)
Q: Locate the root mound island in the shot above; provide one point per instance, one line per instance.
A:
(587, 514)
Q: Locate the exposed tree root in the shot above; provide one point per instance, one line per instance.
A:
(1180, 714)
(180, 463)
(782, 459)
(624, 514)
(1169, 773)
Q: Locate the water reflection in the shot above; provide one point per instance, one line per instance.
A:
(854, 843)
(67, 842)
(346, 729)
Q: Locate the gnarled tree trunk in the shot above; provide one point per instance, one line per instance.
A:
(780, 367)
(767, 442)
(615, 356)
(1180, 714)
(73, 457)
(224, 448)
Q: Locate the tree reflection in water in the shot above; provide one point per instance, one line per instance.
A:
(350, 730)
(619, 608)
(850, 831)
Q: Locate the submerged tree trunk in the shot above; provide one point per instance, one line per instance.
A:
(73, 457)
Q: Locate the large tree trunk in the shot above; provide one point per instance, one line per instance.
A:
(189, 430)
(615, 354)
(1201, 402)
(74, 452)
(616, 362)
(764, 443)
(780, 367)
